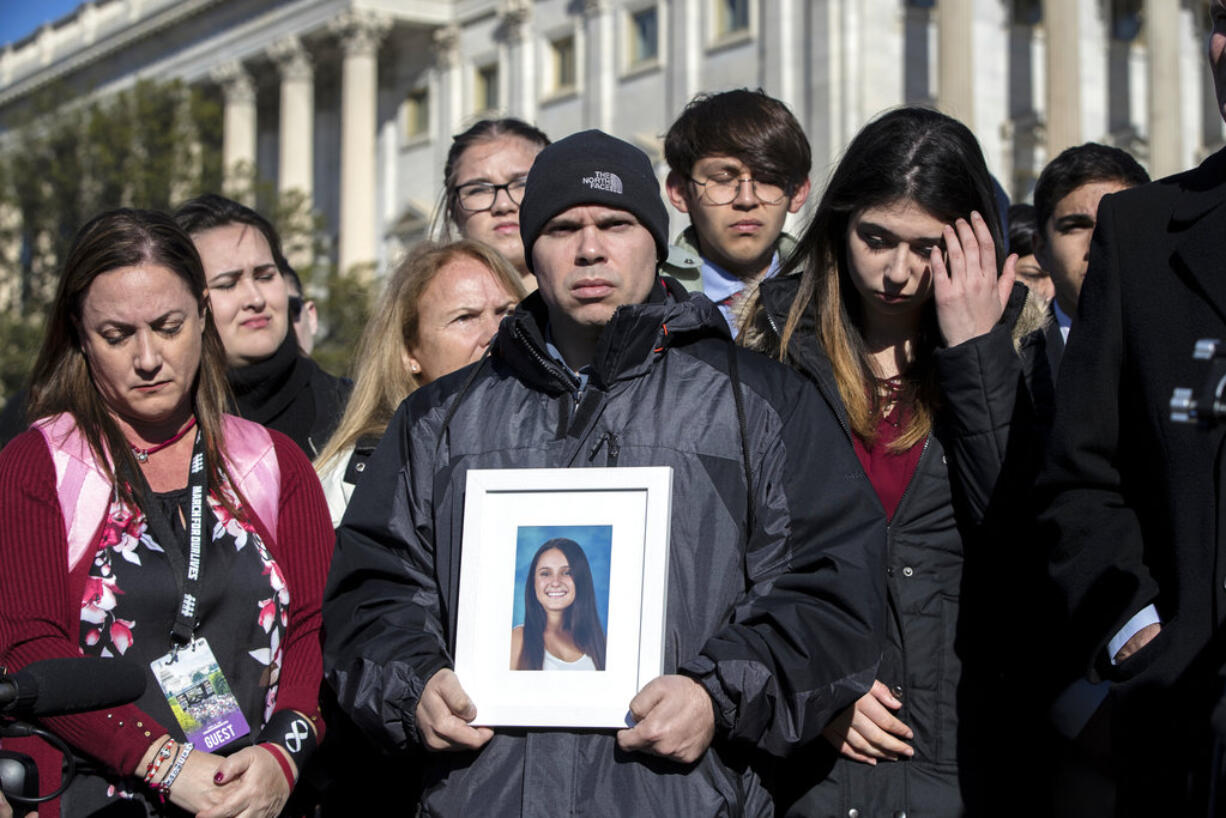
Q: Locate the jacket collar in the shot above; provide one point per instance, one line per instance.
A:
(1197, 221)
(628, 346)
(804, 352)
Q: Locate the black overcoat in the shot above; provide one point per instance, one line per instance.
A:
(1131, 499)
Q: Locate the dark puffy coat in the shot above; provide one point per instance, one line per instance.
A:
(950, 577)
(777, 626)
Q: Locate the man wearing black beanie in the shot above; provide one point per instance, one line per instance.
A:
(776, 538)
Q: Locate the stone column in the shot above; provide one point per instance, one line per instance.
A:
(780, 63)
(1063, 75)
(684, 45)
(297, 137)
(521, 62)
(956, 59)
(296, 150)
(359, 33)
(450, 96)
(1165, 97)
(238, 128)
(601, 70)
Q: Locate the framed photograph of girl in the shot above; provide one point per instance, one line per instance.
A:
(563, 584)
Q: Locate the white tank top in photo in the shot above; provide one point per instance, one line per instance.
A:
(552, 662)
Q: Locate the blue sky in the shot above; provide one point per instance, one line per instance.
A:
(20, 17)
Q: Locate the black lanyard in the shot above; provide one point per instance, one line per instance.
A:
(187, 573)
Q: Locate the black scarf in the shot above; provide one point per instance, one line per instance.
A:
(264, 390)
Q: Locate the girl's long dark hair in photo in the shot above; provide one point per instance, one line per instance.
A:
(581, 619)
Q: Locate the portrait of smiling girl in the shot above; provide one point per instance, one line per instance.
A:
(561, 629)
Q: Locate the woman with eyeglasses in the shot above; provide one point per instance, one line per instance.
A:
(274, 384)
(484, 178)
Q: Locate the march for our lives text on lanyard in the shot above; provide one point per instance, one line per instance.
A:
(191, 680)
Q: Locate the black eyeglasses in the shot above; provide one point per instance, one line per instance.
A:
(475, 197)
(723, 188)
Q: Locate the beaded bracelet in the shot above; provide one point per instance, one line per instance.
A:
(175, 769)
(164, 753)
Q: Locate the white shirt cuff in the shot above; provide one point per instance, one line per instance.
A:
(1142, 618)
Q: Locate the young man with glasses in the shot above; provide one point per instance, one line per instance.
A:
(738, 165)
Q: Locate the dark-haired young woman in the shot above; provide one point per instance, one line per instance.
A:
(902, 308)
(273, 383)
(484, 178)
(561, 629)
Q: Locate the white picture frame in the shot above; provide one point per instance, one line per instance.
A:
(621, 515)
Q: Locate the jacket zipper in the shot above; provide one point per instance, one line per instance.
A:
(889, 529)
(547, 364)
(927, 440)
(613, 450)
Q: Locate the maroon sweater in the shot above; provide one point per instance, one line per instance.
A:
(40, 602)
(889, 472)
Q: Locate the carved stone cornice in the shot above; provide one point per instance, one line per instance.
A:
(236, 84)
(292, 59)
(446, 42)
(360, 32)
(515, 16)
(594, 8)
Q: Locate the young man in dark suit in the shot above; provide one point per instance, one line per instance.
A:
(1132, 500)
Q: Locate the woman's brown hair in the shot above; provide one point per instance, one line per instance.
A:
(62, 382)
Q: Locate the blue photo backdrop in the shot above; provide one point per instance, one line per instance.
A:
(596, 542)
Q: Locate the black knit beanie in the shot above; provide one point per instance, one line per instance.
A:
(591, 167)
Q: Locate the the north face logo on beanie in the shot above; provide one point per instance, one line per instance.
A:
(603, 180)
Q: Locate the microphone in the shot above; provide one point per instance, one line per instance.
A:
(58, 687)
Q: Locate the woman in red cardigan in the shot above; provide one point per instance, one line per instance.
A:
(145, 525)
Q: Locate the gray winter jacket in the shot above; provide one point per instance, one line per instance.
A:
(777, 623)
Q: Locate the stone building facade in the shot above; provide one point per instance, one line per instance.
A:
(354, 101)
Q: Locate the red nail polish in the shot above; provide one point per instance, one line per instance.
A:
(217, 778)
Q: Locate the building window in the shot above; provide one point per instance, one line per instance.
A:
(922, 4)
(563, 64)
(1027, 12)
(1126, 19)
(485, 92)
(417, 113)
(732, 17)
(644, 36)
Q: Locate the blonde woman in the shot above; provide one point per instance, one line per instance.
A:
(441, 307)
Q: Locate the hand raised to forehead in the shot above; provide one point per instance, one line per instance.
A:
(970, 297)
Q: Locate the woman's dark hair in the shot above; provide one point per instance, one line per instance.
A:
(908, 154)
(61, 381)
(1022, 229)
(751, 126)
(581, 618)
(481, 131)
(211, 210)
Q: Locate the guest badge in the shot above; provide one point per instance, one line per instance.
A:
(199, 695)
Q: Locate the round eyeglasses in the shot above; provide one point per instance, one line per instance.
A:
(475, 197)
(723, 189)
